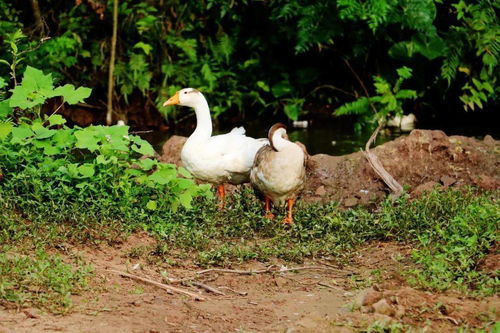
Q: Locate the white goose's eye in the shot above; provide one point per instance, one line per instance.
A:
(185, 92)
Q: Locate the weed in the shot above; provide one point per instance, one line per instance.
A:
(44, 281)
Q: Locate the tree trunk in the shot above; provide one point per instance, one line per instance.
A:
(37, 15)
(111, 79)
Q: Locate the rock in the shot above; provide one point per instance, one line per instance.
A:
(425, 187)
(488, 139)
(371, 296)
(350, 202)
(171, 150)
(383, 307)
(447, 181)
(320, 191)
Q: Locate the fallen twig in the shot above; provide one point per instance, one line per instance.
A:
(261, 271)
(207, 288)
(160, 285)
(241, 293)
(393, 184)
(329, 286)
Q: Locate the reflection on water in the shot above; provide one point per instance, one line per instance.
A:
(330, 136)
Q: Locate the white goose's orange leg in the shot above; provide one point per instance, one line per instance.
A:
(221, 193)
(267, 206)
(289, 219)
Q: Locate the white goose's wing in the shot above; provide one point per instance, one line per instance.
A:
(235, 151)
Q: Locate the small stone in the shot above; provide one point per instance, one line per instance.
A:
(371, 296)
(425, 187)
(366, 309)
(350, 202)
(447, 181)
(383, 307)
(320, 191)
(400, 312)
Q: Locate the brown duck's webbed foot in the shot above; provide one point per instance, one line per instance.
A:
(289, 218)
(221, 193)
(267, 206)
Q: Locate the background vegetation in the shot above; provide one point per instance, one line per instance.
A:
(251, 57)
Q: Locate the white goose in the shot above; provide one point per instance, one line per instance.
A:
(219, 159)
(279, 171)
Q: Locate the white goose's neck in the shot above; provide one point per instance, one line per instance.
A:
(203, 121)
(279, 143)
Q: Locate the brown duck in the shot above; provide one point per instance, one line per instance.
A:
(279, 171)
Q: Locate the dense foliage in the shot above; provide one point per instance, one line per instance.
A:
(252, 56)
(92, 170)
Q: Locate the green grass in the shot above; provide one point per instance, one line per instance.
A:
(41, 280)
(451, 232)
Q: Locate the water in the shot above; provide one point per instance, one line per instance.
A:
(326, 136)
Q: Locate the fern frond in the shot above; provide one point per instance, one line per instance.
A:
(360, 106)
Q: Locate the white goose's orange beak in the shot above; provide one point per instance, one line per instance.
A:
(174, 100)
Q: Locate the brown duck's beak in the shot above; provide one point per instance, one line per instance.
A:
(174, 100)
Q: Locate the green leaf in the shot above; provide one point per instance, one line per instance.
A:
(281, 89)
(5, 129)
(21, 133)
(183, 172)
(292, 111)
(143, 46)
(86, 170)
(56, 119)
(5, 109)
(72, 95)
(163, 176)
(147, 164)
(142, 146)
(151, 205)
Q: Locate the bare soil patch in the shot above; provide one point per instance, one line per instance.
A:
(336, 299)
(421, 161)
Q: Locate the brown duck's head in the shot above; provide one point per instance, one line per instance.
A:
(280, 128)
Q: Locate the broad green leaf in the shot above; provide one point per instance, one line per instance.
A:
(56, 119)
(185, 199)
(86, 170)
(21, 133)
(147, 163)
(43, 133)
(5, 129)
(5, 109)
(163, 176)
(142, 147)
(85, 139)
(35, 80)
(72, 95)
(292, 111)
(183, 172)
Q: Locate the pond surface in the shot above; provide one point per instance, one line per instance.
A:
(336, 136)
(331, 136)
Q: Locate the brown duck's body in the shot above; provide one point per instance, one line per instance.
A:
(279, 170)
(279, 175)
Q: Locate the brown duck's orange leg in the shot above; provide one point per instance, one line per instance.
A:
(221, 192)
(289, 219)
(267, 206)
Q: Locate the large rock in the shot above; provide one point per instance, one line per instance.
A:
(422, 157)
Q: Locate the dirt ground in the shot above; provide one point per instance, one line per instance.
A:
(419, 161)
(330, 299)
